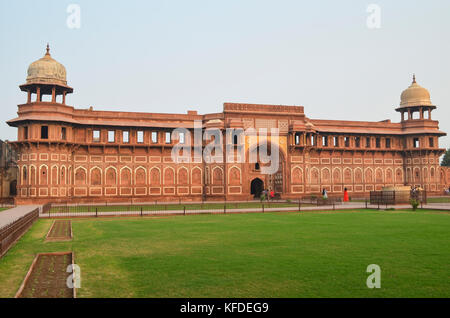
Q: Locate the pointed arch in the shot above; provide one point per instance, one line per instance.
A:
(399, 175)
(217, 175)
(95, 176)
(111, 176)
(196, 176)
(337, 176)
(368, 175)
(416, 175)
(389, 175)
(425, 175)
(125, 176)
(24, 176)
(297, 175)
(182, 176)
(140, 176)
(379, 175)
(33, 175)
(326, 176)
(207, 176)
(54, 177)
(69, 176)
(234, 175)
(358, 175)
(80, 175)
(43, 174)
(315, 177)
(409, 178)
(155, 176)
(63, 176)
(348, 175)
(169, 176)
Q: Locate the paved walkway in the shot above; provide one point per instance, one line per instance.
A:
(9, 216)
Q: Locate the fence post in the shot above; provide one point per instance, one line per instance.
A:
(299, 206)
(263, 208)
(334, 208)
(96, 212)
(225, 208)
(141, 211)
(184, 210)
(366, 203)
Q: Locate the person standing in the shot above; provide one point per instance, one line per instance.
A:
(345, 195)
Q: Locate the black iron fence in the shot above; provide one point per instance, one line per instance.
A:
(382, 197)
(10, 233)
(397, 197)
(61, 210)
(177, 208)
(46, 208)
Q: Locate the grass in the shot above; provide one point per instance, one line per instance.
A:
(308, 254)
(439, 200)
(162, 207)
(3, 209)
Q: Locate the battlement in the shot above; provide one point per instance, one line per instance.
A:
(261, 108)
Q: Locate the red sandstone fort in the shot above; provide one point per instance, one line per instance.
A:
(83, 155)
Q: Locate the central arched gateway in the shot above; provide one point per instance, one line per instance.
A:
(257, 187)
(275, 181)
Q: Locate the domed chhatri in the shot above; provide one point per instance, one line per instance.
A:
(415, 95)
(46, 71)
(46, 77)
(415, 99)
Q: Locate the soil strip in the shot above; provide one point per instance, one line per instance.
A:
(61, 230)
(47, 277)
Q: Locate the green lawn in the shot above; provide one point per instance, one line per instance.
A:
(3, 209)
(439, 200)
(309, 254)
(162, 207)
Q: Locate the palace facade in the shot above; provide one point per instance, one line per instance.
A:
(67, 154)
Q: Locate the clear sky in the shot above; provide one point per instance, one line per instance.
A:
(174, 55)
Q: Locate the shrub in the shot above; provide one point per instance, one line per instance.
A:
(414, 203)
(262, 197)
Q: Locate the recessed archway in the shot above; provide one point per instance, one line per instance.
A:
(275, 180)
(256, 187)
(13, 188)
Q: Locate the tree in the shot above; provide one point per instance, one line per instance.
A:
(446, 160)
